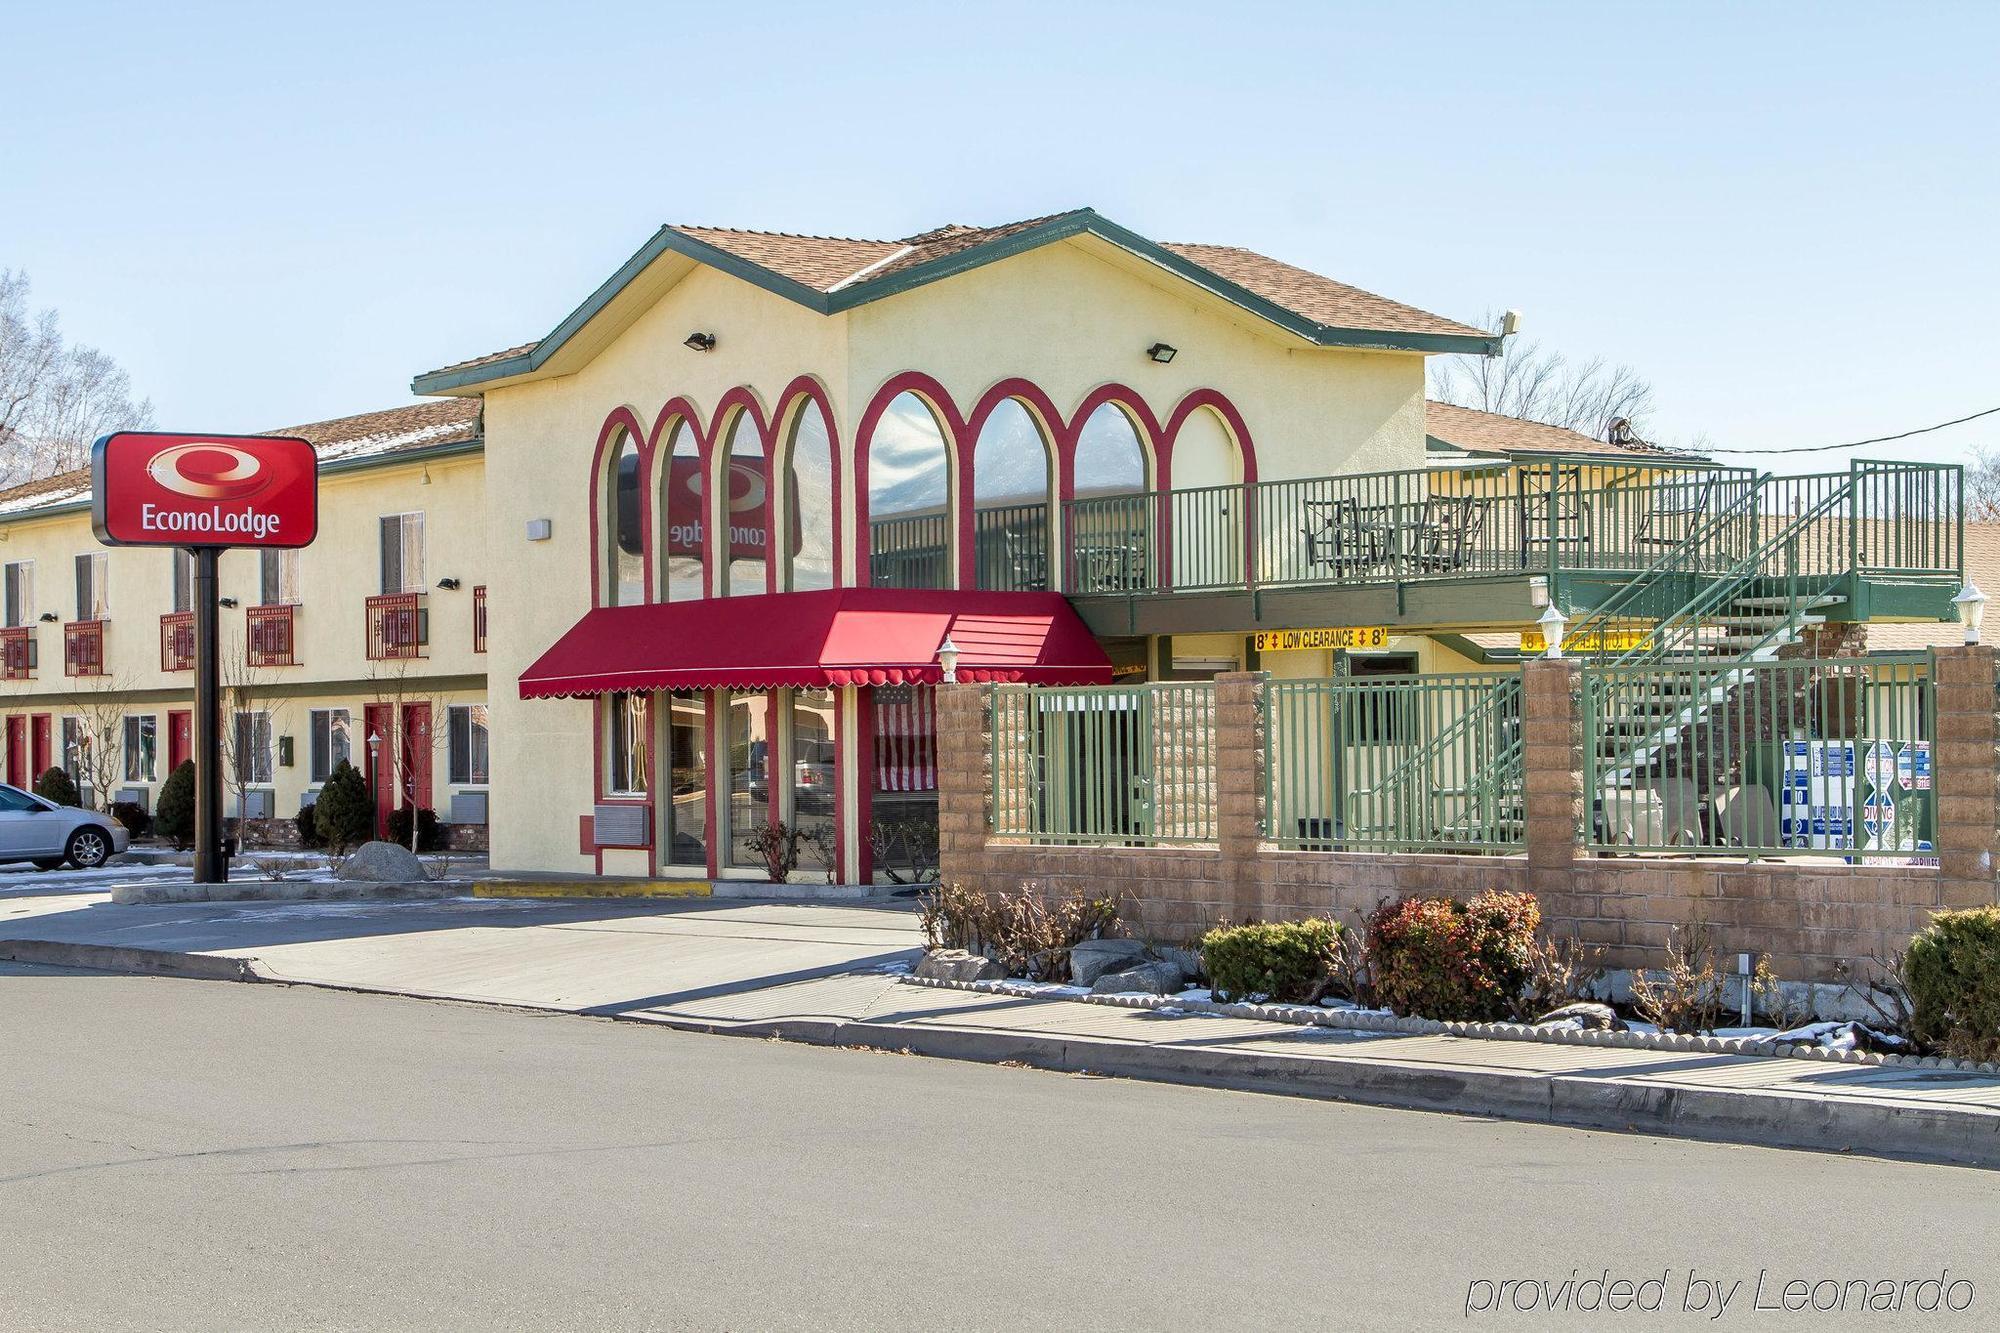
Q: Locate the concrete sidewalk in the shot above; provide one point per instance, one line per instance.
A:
(813, 973)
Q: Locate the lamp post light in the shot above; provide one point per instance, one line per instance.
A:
(1553, 623)
(1971, 607)
(947, 658)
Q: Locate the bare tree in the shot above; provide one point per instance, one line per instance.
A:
(396, 687)
(246, 691)
(1529, 381)
(1982, 486)
(55, 397)
(98, 704)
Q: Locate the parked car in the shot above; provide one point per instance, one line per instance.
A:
(32, 829)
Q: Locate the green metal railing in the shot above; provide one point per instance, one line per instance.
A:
(1109, 765)
(1394, 763)
(912, 552)
(1813, 756)
(1011, 547)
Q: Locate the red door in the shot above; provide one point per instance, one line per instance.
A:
(17, 750)
(378, 725)
(416, 765)
(180, 738)
(40, 725)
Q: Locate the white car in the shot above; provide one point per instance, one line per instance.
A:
(32, 829)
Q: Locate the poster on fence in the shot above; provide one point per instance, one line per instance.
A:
(1867, 797)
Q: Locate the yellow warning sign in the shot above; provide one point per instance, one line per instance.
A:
(1590, 641)
(1337, 636)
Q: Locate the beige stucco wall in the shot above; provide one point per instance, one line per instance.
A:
(336, 575)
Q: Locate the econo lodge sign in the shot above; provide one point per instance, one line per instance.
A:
(203, 490)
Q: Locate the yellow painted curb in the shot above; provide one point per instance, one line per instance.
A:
(591, 888)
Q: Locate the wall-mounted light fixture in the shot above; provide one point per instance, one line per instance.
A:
(50, 617)
(449, 585)
(1162, 352)
(700, 342)
(229, 602)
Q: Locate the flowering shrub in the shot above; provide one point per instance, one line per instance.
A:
(1445, 959)
(1293, 962)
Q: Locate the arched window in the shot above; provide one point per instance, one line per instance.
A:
(1207, 507)
(1010, 501)
(909, 498)
(685, 529)
(741, 508)
(808, 555)
(1111, 524)
(625, 544)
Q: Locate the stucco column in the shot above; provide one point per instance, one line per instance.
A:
(965, 781)
(1965, 767)
(1239, 787)
(1552, 762)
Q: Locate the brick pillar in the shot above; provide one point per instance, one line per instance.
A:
(1964, 774)
(1239, 787)
(965, 781)
(1552, 763)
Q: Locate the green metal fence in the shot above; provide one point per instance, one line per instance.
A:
(1826, 757)
(1394, 763)
(912, 552)
(1011, 545)
(1115, 764)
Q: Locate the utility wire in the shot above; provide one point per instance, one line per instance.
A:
(1858, 444)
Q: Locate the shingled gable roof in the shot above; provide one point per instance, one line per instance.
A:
(1480, 432)
(829, 274)
(352, 441)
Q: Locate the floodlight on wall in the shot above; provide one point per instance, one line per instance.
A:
(700, 342)
(449, 585)
(50, 617)
(947, 658)
(1162, 352)
(1554, 623)
(1510, 323)
(229, 602)
(1971, 607)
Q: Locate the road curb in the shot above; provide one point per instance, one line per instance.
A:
(1958, 1136)
(120, 958)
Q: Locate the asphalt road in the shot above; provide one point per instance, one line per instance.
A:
(179, 1154)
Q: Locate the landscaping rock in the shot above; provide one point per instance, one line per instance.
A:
(1584, 1017)
(1187, 960)
(1154, 978)
(1091, 959)
(382, 863)
(958, 965)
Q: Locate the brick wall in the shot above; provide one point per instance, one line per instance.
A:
(1818, 921)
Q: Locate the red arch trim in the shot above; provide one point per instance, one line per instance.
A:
(804, 387)
(950, 425)
(620, 420)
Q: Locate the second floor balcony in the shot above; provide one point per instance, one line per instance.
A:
(398, 626)
(83, 648)
(270, 635)
(177, 641)
(18, 653)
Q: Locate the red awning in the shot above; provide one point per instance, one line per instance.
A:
(846, 636)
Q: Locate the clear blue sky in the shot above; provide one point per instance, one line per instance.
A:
(1784, 216)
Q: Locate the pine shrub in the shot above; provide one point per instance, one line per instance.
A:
(133, 816)
(1450, 960)
(174, 820)
(55, 785)
(344, 815)
(308, 830)
(1952, 968)
(430, 833)
(1292, 962)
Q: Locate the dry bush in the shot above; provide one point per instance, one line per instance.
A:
(1022, 929)
(1685, 996)
(1560, 972)
(1767, 997)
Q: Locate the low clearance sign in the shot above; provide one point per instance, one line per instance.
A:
(203, 490)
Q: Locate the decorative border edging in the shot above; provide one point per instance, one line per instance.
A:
(1363, 1020)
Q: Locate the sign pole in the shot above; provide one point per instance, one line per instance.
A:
(210, 865)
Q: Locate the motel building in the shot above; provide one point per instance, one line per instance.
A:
(717, 538)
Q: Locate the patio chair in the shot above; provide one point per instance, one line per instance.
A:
(1336, 538)
(1448, 532)
(1027, 560)
(1680, 811)
(1553, 512)
(1745, 817)
(1672, 510)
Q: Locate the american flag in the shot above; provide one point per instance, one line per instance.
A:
(906, 738)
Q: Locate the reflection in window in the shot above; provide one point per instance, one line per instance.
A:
(687, 755)
(743, 506)
(809, 502)
(812, 794)
(747, 742)
(685, 547)
(909, 505)
(905, 801)
(628, 776)
(628, 550)
(1111, 523)
(1010, 488)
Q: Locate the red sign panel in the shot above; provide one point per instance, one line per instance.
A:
(203, 490)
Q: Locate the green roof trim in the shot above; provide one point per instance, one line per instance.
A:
(1062, 227)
